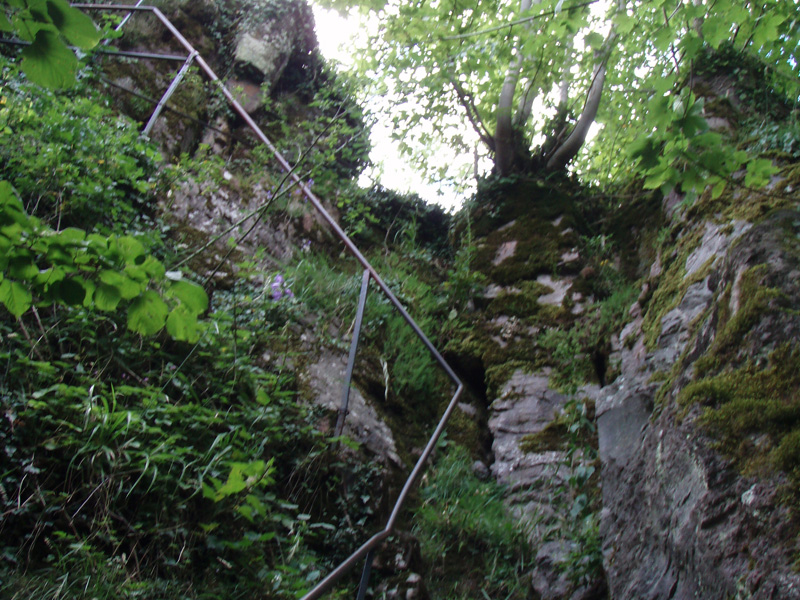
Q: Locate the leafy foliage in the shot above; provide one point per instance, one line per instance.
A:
(69, 267)
(149, 450)
(47, 24)
(437, 60)
(156, 482)
(74, 160)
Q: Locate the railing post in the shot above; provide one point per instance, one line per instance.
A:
(362, 300)
(362, 587)
(170, 90)
(367, 549)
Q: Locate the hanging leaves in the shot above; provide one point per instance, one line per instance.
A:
(49, 25)
(147, 314)
(437, 60)
(44, 266)
(16, 298)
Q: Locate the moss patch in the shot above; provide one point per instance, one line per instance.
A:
(754, 412)
(525, 304)
(672, 285)
(552, 437)
(757, 301)
(753, 206)
(540, 219)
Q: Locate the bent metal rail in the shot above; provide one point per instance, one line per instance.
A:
(366, 551)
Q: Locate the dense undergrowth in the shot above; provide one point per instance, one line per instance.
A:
(471, 547)
(156, 442)
(141, 459)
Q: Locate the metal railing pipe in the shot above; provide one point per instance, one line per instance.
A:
(351, 360)
(327, 583)
(362, 587)
(170, 90)
(369, 272)
(288, 168)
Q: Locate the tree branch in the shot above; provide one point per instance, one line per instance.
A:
(547, 13)
(472, 113)
(527, 98)
(572, 145)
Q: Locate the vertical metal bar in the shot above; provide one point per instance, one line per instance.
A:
(126, 18)
(300, 184)
(362, 587)
(170, 90)
(362, 300)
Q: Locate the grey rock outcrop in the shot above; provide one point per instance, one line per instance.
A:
(325, 377)
(526, 406)
(271, 35)
(679, 521)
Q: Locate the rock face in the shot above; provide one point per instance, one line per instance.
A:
(679, 520)
(325, 376)
(273, 34)
(526, 406)
(694, 499)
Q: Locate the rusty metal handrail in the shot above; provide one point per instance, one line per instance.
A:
(372, 544)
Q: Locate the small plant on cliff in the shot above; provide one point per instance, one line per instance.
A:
(473, 546)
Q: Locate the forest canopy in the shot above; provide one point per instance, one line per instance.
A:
(530, 78)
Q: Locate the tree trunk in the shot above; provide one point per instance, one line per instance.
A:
(505, 150)
(572, 145)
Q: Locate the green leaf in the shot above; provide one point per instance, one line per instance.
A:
(49, 276)
(658, 177)
(71, 235)
(718, 189)
(147, 314)
(69, 291)
(126, 287)
(663, 38)
(767, 30)
(107, 297)
(191, 296)
(593, 40)
(647, 149)
(693, 124)
(624, 23)
(73, 24)
(28, 23)
(182, 325)
(716, 29)
(16, 298)
(759, 172)
(691, 44)
(153, 267)
(5, 24)
(130, 249)
(22, 267)
(48, 62)
(241, 477)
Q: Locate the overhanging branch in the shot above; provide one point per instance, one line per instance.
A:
(472, 113)
(541, 15)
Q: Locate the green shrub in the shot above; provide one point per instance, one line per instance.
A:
(469, 541)
(73, 159)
